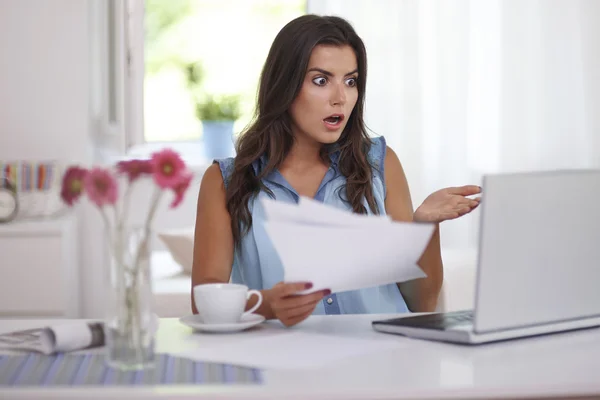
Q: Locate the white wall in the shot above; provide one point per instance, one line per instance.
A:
(49, 97)
(44, 106)
(44, 79)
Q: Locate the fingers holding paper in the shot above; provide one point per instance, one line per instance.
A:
(449, 203)
(292, 308)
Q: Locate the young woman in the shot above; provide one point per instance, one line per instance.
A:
(308, 138)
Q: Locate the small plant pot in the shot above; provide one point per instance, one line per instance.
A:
(218, 139)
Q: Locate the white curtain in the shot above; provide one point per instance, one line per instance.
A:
(461, 88)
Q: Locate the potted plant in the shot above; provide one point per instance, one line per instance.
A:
(217, 113)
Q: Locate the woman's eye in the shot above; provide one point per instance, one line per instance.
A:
(351, 82)
(320, 81)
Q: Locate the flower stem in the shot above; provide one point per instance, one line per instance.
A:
(152, 213)
(107, 228)
(125, 204)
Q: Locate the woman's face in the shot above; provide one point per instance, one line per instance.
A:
(328, 94)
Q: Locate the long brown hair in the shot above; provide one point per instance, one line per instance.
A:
(271, 134)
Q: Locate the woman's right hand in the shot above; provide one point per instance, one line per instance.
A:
(291, 308)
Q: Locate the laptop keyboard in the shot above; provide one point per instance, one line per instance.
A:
(439, 321)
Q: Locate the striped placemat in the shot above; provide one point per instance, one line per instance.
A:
(35, 369)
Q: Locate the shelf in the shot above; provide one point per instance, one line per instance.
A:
(38, 226)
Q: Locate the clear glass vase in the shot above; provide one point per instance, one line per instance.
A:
(130, 321)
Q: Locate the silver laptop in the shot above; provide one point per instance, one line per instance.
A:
(538, 268)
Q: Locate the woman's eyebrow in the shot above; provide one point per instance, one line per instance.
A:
(324, 72)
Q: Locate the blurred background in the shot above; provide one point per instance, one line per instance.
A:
(227, 62)
(459, 88)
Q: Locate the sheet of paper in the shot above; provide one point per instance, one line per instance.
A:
(332, 216)
(289, 350)
(349, 258)
(309, 211)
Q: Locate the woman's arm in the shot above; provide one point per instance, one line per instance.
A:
(213, 239)
(421, 295)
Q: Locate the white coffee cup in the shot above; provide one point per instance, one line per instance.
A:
(220, 303)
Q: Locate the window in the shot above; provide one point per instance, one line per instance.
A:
(197, 49)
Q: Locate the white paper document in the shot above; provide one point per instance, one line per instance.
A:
(289, 350)
(312, 212)
(342, 251)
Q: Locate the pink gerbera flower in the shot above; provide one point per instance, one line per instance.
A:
(168, 168)
(180, 188)
(135, 168)
(101, 187)
(72, 184)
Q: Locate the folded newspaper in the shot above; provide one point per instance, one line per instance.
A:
(59, 338)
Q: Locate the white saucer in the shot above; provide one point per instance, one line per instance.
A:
(194, 321)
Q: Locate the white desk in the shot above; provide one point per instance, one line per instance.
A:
(561, 365)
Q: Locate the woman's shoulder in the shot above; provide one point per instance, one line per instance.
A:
(225, 168)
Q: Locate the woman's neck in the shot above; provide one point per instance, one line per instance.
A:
(303, 154)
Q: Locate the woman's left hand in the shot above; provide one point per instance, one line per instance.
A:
(448, 203)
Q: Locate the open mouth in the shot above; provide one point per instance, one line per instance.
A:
(334, 119)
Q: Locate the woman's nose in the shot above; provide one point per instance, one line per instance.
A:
(338, 96)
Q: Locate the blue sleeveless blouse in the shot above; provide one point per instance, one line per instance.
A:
(257, 265)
